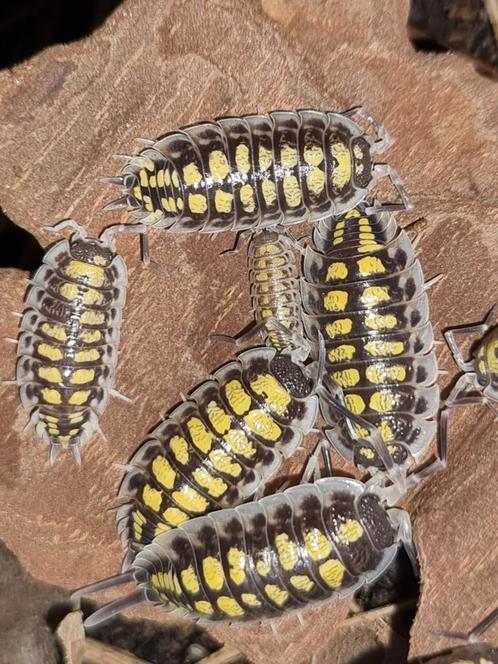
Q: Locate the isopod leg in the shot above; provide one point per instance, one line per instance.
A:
(66, 223)
(383, 171)
(383, 139)
(474, 635)
(239, 240)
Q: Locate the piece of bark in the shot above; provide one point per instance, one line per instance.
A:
(155, 67)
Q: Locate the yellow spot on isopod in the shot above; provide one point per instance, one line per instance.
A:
(204, 607)
(341, 173)
(247, 198)
(197, 203)
(223, 201)
(288, 156)
(263, 425)
(302, 582)
(380, 322)
(374, 295)
(381, 348)
(51, 396)
(175, 516)
(200, 435)
(90, 336)
(237, 561)
(313, 154)
(383, 402)
(172, 204)
(91, 355)
(54, 331)
(174, 179)
(238, 399)
(82, 376)
(92, 317)
(190, 580)
(332, 572)
(242, 158)
(342, 353)
(190, 500)
(276, 594)
(346, 377)
(144, 180)
(287, 550)
(218, 165)
(69, 291)
(366, 452)
(213, 573)
(219, 419)
(215, 486)
(92, 296)
(276, 397)
(370, 265)
(337, 271)
(191, 175)
(152, 181)
(354, 403)
(335, 300)
(317, 545)
(179, 447)
(179, 203)
(265, 158)
(163, 472)
(92, 274)
(152, 497)
(160, 178)
(239, 443)
(380, 373)
(292, 191)
(350, 531)
(229, 606)
(137, 192)
(269, 192)
(224, 463)
(51, 352)
(79, 397)
(339, 327)
(50, 374)
(386, 432)
(315, 181)
(262, 568)
(250, 600)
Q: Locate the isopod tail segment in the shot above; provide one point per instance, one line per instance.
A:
(478, 383)
(326, 540)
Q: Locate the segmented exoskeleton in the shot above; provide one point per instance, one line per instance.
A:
(253, 171)
(219, 447)
(364, 291)
(274, 286)
(68, 346)
(480, 374)
(292, 550)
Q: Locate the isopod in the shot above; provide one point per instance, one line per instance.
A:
(364, 291)
(289, 551)
(68, 347)
(254, 171)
